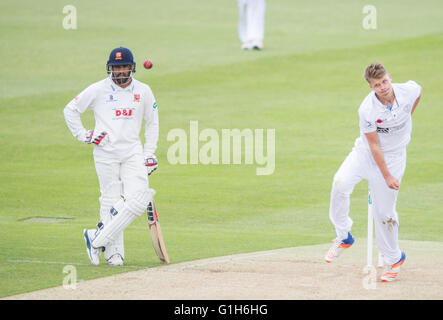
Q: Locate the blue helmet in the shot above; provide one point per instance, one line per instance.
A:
(120, 57)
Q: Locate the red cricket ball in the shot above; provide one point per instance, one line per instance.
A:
(147, 64)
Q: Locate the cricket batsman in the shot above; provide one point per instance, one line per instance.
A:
(120, 104)
(379, 156)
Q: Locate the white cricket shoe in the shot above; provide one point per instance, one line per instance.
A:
(246, 46)
(391, 272)
(338, 247)
(115, 260)
(92, 252)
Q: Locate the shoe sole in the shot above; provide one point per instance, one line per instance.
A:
(389, 279)
(330, 259)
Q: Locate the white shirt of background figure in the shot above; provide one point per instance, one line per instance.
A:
(251, 23)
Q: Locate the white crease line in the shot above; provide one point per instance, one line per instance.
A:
(62, 263)
(166, 267)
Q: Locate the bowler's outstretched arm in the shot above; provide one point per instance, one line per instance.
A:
(374, 145)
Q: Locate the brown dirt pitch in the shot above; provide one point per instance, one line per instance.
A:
(287, 274)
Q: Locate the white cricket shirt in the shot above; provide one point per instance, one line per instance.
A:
(392, 123)
(120, 112)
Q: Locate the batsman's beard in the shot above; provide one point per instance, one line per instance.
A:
(121, 78)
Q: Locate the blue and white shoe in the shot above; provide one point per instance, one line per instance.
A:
(92, 252)
(391, 272)
(338, 247)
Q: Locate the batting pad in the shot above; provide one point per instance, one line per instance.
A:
(124, 212)
(109, 197)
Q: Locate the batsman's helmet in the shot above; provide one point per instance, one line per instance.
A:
(120, 57)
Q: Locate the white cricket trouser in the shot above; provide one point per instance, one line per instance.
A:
(119, 178)
(251, 24)
(359, 165)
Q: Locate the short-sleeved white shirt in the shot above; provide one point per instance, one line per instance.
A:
(392, 123)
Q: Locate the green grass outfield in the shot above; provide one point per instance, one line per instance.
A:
(307, 85)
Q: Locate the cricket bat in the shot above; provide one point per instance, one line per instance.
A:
(156, 233)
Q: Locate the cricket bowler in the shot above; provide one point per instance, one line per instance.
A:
(120, 104)
(379, 156)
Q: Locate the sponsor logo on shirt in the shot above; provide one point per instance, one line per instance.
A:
(155, 105)
(391, 129)
(382, 130)
(123, 113)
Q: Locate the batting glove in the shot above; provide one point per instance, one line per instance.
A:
(88, 137)
(151, 163)
(100, 139)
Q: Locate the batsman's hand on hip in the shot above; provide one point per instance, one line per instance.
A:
(100, 139)
(89, 137)
(151, 163)
(86, 137)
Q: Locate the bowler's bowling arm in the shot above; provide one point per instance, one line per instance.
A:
(377, 153)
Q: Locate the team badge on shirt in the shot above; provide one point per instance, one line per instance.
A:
(136, 97)
(112, 98)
